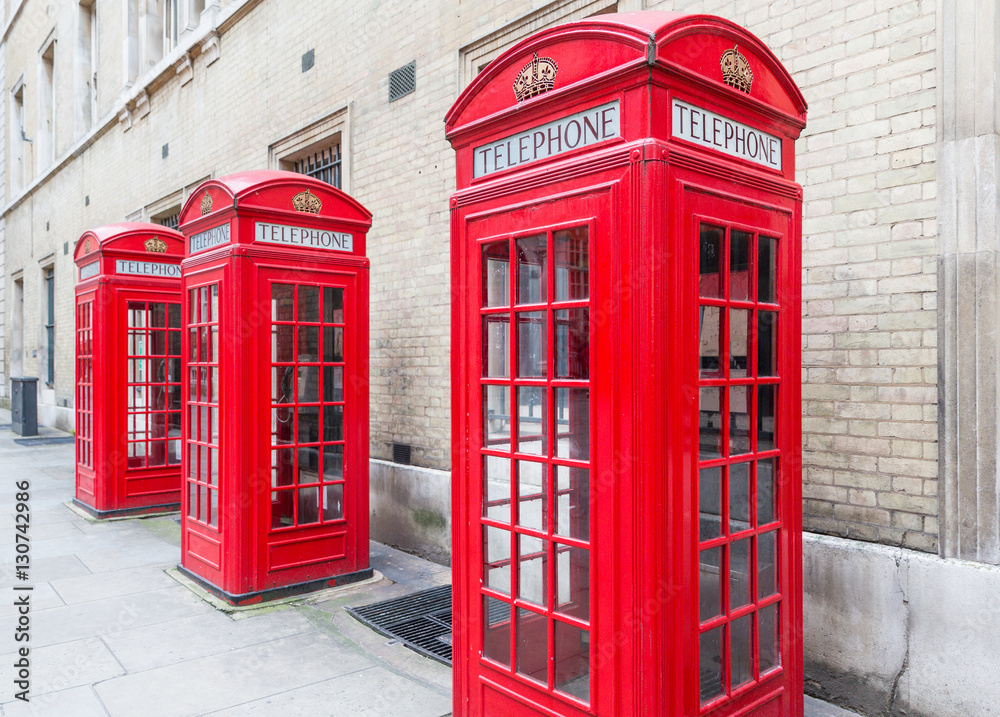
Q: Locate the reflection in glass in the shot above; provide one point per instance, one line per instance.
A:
(710, 503)
(767, 638)
(767, 564)
(739, 420)
(496, 417)
(309, 305)
(532, 569)
(739, 573)
(496, 488)
(333, 462)
(572, 419)
(767, 398)
(710, 422)
(531, 348)
(531, 270)
(282, 343)
(573, 581)
(496, 559)
(333, 501)
(767, 263)
(213, 508)
(572, 346)
(333, 343)
(496, 636)
(710, 341)
(739, 265)
(531, 420)
(333, 423)
(333, 383)
(739, 343)
(282, 508)
(308, 384)
(282, 302)
(572, 661)
(710, 664)
(572, 264)
(709, 583)
(496, 346)
(739, 497)
(767, 491)
(496, 280)
(282, 467)
(333, 305)
(532, 645)
(572, 502)
(710, 263)
(767, 343)
(308, 505)
(740, 662)
(531, 494)
(308, 344)
(308, 424)
(174, 316)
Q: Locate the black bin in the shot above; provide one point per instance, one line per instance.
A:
(24, 405)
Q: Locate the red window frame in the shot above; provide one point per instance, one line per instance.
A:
(204, 421)
(85, 383)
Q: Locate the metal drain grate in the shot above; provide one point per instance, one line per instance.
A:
(44, 441)
(421, 621)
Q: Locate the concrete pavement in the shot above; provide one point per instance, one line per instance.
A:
(114, 634)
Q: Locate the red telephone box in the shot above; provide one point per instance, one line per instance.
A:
(275, 304)
(625, 375)
(128, 370)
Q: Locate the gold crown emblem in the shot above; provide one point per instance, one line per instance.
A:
(307, 202)
(156, 245)
(86, 246)
(536, 77)
(206, 204)
(736, 70)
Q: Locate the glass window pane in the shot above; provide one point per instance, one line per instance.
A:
(308, 505)
(213, 466)
(333, 462)
(333, 423)
(213, 385)
(308, 344)
(192, 345)
(739, 497)
(174, 316)
(282, 302)
(496, 488)
(282, 424)
(767, 343)
(739, 343)
(709, 583)
(710, 341)
(137, 314)
(192, 499)
(496, 634)
(308, 424)
(282, 510)
(333, 343)
(531, 274)
(203, 315)
(333, 502)
(308, 388)
(532, 423)
(532, 645)
(572, 661)
(213, 508)
(572, 502)
(282, 467)
(572, 418)
(496, 346)
(532, 569)
(496, 278)
(496, 559)
(767, 399)
(739, 265)
(157, 453)
(767, 264)
(283, 384)
(710, 664)
(767, 638)
(573, 581)
(767, 491)
(531, 494)
(532, 356)
(157, 314)
(739, 420)
(767, 564)
(739, 573)
(308, 306)
(740, 662)
(710, 422)
(710, 503)
(213, 302)
(282, 344)
(572, 264)
(572, 331)
(496, 417)
(174, 343)
(710, 285)
(333, 305)
(333, 383)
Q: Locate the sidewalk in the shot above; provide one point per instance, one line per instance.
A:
(113, 634)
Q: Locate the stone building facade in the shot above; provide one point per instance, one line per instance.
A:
(118, 109)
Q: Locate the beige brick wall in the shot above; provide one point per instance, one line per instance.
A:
(866, 160)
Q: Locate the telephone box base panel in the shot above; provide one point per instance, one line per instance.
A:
(253, 598)
(138, 511)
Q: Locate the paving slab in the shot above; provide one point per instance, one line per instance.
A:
(374, 692)
(60, 667)
(113, 583)
(818, 708)
(77, 702)
(43, 596)
(230, 679)
(43, 570)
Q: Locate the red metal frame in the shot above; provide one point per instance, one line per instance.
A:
(653, 370)
(128, 369)
(276, 426)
